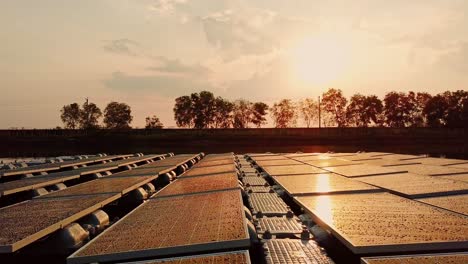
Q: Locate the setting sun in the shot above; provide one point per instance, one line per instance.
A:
(319, 60)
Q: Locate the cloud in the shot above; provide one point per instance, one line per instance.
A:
(174, 66)
(165, 6)
(121, 46)
(246, 31)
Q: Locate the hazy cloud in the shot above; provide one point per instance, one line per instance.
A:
(174, 66)
(456, 59)
(165, 6)
(121, 46)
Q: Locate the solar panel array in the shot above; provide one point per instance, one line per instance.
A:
(380, 203)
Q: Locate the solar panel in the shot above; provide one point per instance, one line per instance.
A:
(331, 162)
(414, 185)
(205, 171)
(363, 170)
(184, 224)
(278, 162)
(449, 258)
(455, 203)
(235, 257)
(385, 223)
(189, 185)
(292, 169)
(430, 169)
(320, 184)
(26, 222)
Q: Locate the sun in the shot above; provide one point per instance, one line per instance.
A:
(319, 60)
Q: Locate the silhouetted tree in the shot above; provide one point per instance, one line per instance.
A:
(203, 105)
(153, 122)
(183, 112)
(70, 115)
(435, 110)
(457, 112)
(242, 113)
(334, 102)
(418, 101)
(284, 114)
(398, 109)
(363, 110)
(117, 116)
(223, 114)
(309, 110)
(89, 116)
(259, 111)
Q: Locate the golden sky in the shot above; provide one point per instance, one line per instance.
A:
(148, 52)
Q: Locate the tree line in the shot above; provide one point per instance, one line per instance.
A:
(397, 109)
(204, 110)
(116, 116)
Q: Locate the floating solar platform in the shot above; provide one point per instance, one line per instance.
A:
(331, 162)
(278, 162)
(279, 226)
(364, 170)
(29, 221)
(448, 258)
(296, 155)
(212, 170)
(291, 170)
(234, 257)
(164, 227)
(268, 204)
(183, 186)
(339, 154)
(259, 189)
(454, 203)
(377, 223)
(430, 169)
(213, 157)
(309, 158)
(292, 251)
(417, 186)
(254, 181)
(321, 184)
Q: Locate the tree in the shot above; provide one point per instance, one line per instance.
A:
(309, 110)
(70, 115)
(117, 115)
(259, 111)
(183, 112)
(284, 113)
(398, 110)
(435, 110)
(242, 113)
(89, 116)
(418, 102)
(364, 110)
(203, 107)
(457, 112)
(153, 122)
(334, 102)
(223, 116)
